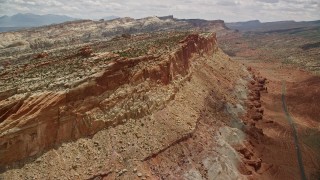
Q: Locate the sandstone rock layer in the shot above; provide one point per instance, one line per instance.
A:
(128, 88)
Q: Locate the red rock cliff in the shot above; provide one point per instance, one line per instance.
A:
(126, 89)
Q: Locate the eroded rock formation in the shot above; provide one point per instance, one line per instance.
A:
(149, 105)
(128, 88)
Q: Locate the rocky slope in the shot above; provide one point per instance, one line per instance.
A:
(137, 106)
(85, 31)
(125, 89)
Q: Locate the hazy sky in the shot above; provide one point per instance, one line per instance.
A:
(228, 10)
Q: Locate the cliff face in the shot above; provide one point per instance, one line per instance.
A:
(150, 105)
(127, 88)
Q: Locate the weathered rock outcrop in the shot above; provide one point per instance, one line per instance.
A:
(128, 88)
(85, 31)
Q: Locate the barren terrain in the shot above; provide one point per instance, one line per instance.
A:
(289, 60)
(297, 46)
(158, 98)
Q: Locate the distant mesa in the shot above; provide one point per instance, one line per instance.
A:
(256, 25)
(107, 18)
(166, 17)
(246, 23)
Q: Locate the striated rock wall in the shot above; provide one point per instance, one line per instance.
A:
(126, 89)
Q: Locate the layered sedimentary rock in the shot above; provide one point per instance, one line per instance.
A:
(163, 105)
(127, 88)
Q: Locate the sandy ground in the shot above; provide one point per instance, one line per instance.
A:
(277, 148)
